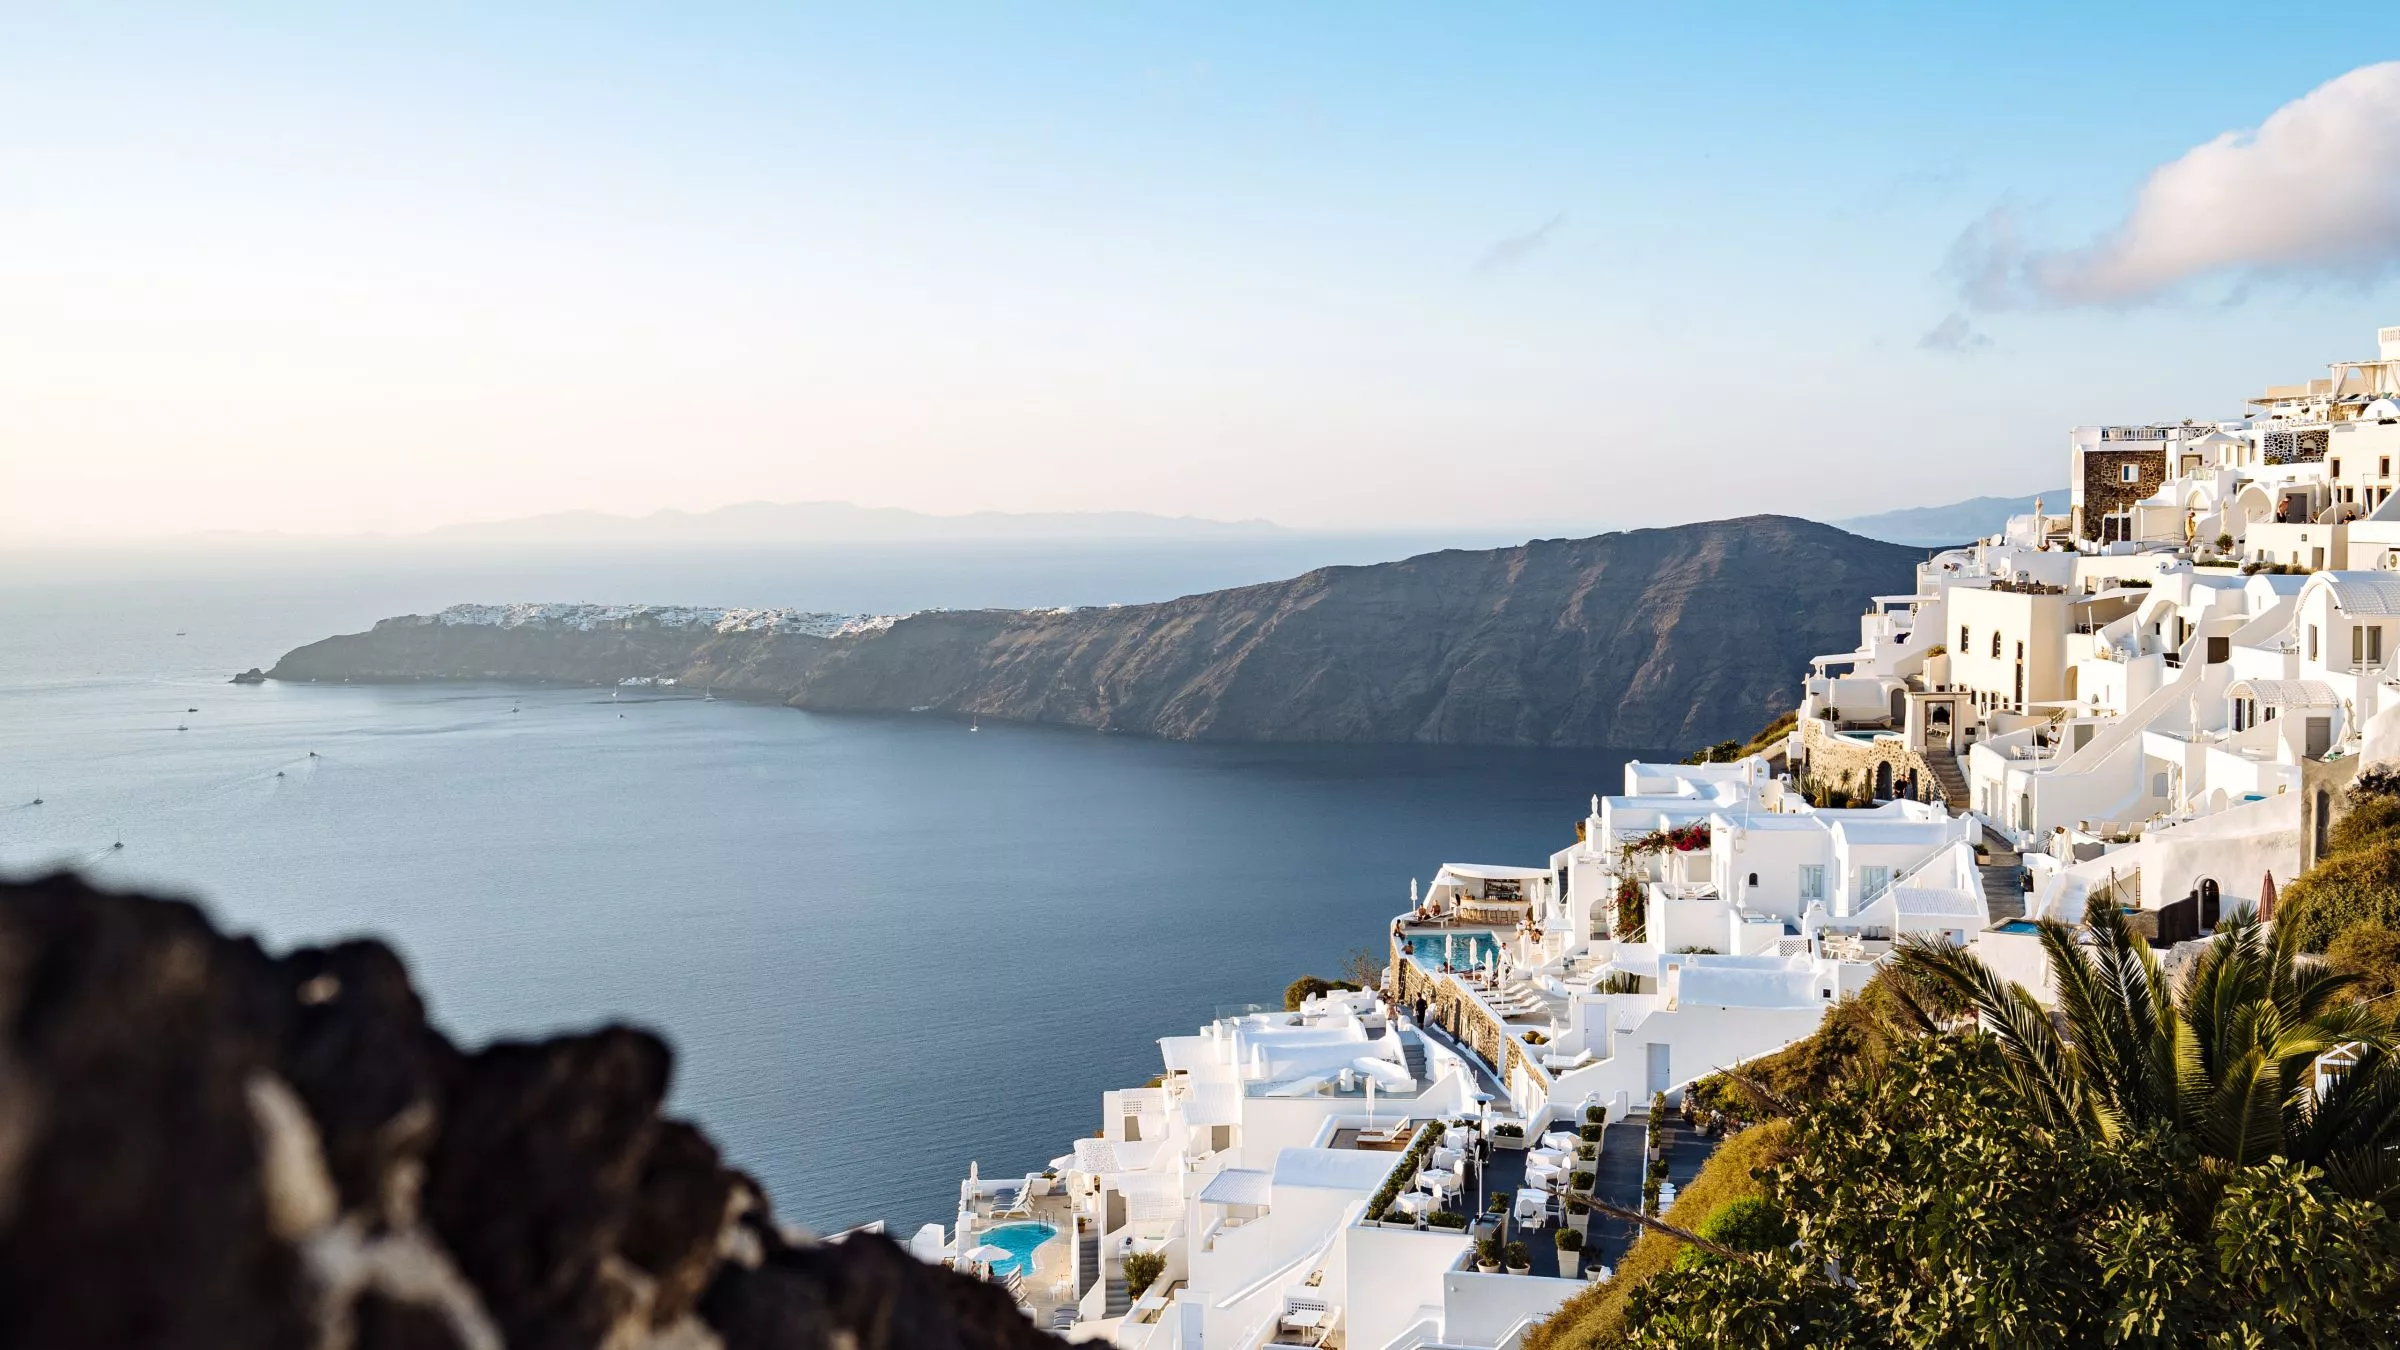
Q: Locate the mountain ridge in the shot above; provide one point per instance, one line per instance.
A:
(1667, 636)
(1950, 523)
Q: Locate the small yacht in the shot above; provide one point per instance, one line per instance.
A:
(181, 727)
(974, 724)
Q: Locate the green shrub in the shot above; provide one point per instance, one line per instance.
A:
(1445, 1218)
(1747, 1223)
(1508, 1129)
(2342, 892)
(1591, 1134)
(1428, 1135)
(1488, 1251)
(1568, 1239)
(1141, 1270)
(1518, 1255)
(2370, 820)
(1577, 1205)
(2370, 954)
(1307, 987)
(1595, 1115)
(1581, 1181)
(1500, 1201)
(1587, 1150)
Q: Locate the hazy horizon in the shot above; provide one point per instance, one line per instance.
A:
(351, 272)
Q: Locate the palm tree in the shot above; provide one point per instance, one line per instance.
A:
(2230, 1063)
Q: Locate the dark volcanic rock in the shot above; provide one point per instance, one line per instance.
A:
(1648, 638)
(204, 1145)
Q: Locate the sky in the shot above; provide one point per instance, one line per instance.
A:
(340, 269)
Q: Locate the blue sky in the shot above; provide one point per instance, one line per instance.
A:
(1363, 266)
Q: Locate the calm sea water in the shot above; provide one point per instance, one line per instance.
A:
(881, 946)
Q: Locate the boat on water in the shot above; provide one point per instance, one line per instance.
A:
(974, 725)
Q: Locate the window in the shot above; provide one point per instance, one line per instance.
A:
(2334, 469)
(1872, 883)
(1754, 878)
(2129, 473)
(2020, 651)
(1995, 646)
(2366, 645)
(2383, 467)
(1812, 882)
(2312, 642)
(1964, 646)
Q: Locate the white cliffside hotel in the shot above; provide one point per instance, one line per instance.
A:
(2154, 692)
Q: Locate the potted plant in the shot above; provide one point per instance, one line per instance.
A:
(1579, 1211)
(1446, 1218)
(1591, 1134)
(1595, 1115)
(1508, 1134)
(1570, 1251)
(1487, 1256)
(1586, 1151)
(1500, 1201)
(1580, 1182)
(1518, 1259)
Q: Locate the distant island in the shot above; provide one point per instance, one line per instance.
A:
(845, 523)
(1658, 637)
(1956, 523)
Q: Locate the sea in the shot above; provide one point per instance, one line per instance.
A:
(882, 947)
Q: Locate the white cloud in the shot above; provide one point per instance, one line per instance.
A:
(2312, 193)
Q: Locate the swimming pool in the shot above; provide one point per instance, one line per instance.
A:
(2020, 926)
(1022, 1240)
(1460, 949)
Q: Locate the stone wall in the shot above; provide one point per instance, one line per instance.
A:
(2104, 485)
(1450, 1007)
(1832, 758)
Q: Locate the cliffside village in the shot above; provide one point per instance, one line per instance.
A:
(2154, 692)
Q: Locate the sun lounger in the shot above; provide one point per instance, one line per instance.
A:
(1017, 1204)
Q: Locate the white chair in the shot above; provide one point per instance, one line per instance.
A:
(1531, 1206)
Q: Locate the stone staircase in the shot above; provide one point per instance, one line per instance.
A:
(1118, 1299)
(1412, 1049)
(1952, 780)
(2003, 878)
(1087, 1261)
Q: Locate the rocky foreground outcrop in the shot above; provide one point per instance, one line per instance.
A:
(1647, 638)
(205, 1145)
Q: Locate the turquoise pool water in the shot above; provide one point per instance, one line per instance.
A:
(2020, 926)
(1460, 949)
(1021, 1239)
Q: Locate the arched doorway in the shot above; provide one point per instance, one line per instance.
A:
(1883, 781)
(1911, 790)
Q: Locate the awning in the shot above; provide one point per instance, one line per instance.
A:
(2290, 693)
(1492, 872)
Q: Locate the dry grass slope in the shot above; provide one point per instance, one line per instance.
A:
(1595, 1318)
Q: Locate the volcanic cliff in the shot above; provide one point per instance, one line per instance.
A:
(1655, 637)
(204, 1145)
